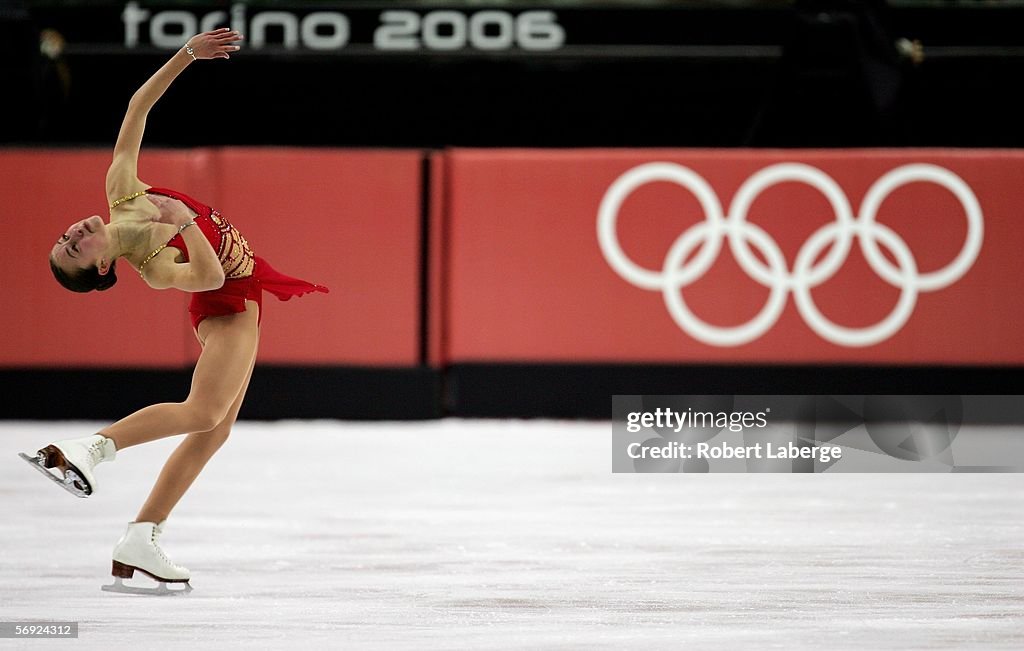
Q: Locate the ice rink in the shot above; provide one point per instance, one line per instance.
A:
(512, 535)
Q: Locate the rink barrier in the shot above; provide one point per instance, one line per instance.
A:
(475, 282)
(734, 257)
(346, 219)
(275, 392)
(504, 390)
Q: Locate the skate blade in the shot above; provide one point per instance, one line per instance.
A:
(68, 483)
(160, 591)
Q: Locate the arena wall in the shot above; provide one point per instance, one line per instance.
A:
(540, 282)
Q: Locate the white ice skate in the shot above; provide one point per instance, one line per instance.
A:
(138, 550)
(74, 460)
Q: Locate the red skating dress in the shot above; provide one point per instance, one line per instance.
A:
(246, 275)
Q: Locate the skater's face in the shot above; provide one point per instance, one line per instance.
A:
(81, 246)
(81, 259)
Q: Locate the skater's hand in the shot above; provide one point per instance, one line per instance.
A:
(216, 44)
(171, 210)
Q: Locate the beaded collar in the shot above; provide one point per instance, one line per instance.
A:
(127, 197)
(150, 257)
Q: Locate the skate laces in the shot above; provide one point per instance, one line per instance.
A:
(96, 452)
(152, 538)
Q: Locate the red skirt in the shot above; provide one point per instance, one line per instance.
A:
(230, 298)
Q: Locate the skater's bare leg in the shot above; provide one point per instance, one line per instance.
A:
(229, 344)
(187, 461)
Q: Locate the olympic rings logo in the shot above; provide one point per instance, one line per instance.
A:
(676, 272)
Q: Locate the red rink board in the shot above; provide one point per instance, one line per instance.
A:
(517, 269)
(346, 219)
(527, 279)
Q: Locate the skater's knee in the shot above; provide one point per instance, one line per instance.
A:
(206, 444)
(217, 436)
(203, 416)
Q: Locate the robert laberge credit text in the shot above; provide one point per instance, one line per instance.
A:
(722, 450)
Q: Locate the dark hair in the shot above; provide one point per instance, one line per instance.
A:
(85, 280)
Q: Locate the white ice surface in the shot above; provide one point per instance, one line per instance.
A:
(511, 535)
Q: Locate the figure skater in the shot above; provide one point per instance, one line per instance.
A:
(172, 241)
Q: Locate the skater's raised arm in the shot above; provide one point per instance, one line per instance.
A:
(122, 178)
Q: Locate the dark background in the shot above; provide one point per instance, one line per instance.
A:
(691, 74)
